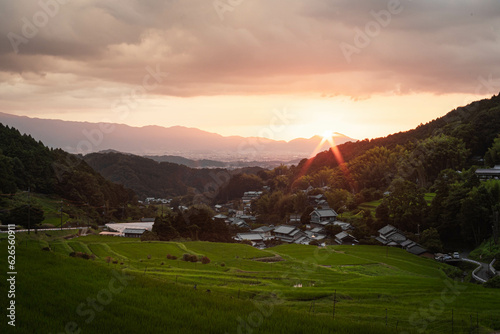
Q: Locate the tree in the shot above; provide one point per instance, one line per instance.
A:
(306, 216)
(475, 215)
(492, 156)
(163, 228)
(406, 205)
(424, 163)
(431, 240)
(25, 215)
(332, 230)
(338, 199)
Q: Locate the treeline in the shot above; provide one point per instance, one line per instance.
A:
(196, 223)
(26, 164)
(149, 178)
(476, 125)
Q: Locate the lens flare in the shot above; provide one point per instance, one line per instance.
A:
(328, 137)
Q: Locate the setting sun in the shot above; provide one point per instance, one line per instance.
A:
(327, 135)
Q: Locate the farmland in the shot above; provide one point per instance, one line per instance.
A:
(288, 288)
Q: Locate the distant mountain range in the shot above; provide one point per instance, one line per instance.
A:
(192, 143)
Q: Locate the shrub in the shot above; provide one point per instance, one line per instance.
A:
(149, 236)
(189, 258)
(171, 257)
(205, 260)
(314, 243)
(493, 283)
(82, 255)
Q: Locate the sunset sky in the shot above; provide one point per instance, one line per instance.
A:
(275, 68)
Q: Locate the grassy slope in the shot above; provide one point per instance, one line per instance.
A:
(366, 281)
(51, 206)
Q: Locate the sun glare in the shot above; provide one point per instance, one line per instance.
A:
(327, 135)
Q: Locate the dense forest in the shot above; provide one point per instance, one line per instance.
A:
(26, 164)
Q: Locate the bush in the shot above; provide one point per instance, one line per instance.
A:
(171, 257)
(493, 283)
(149, 236)
(314, 243)
(205, 260)
(82, 255)
(189, 258)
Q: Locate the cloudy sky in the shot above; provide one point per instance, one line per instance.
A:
(274, 68)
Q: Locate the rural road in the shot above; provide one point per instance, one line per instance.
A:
(483, 272)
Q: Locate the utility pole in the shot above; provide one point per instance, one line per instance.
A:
(334, 302)
(29, 210)
(495, 228)
(61, 214)
(452, 329)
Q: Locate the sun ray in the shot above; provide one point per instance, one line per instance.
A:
(328, 137)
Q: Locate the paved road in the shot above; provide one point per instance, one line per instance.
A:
(483, 272)
(49, 229)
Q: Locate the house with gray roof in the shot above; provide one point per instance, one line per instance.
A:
(323, 217)
(287, 233)
(344, 238)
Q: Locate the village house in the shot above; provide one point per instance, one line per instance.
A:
(238, 222)
(294, 219)
(391, 236)
(287, 233)
(344, 238)
(265, 231)
(133, 232)
(489, 173)
(256, 239)
(323, 217)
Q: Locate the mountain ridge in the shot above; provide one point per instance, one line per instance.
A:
(86, 137)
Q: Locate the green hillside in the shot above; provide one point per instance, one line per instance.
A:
(298, 282)
(28, 165)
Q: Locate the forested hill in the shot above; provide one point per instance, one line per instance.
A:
(26, 163)
(149, 178)
(476, 124)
